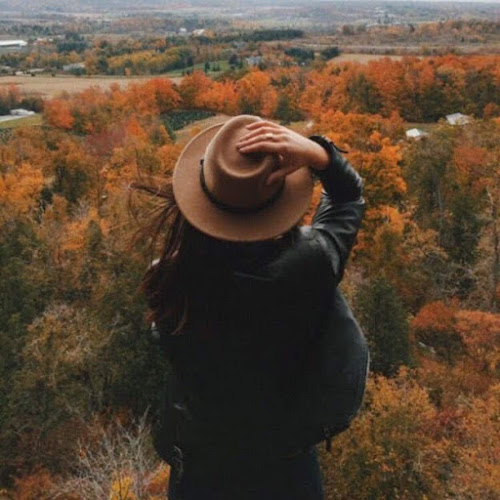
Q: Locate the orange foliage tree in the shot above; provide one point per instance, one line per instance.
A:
(193, 88)
(455, 332)
(257, 96)
(58, 114)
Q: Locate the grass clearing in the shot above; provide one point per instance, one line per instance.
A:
(51, 86)
(28, 121)
(223, 64)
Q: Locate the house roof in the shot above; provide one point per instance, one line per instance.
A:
(13, 43)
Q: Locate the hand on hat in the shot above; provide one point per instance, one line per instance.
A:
(293, 149)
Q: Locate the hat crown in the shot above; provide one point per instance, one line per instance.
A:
(227, 197)
(233, 179)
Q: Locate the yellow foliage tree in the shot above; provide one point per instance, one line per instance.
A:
(20, 189)
(388, 452)
(121, 489)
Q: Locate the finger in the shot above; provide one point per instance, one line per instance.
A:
(255, 133)
(262, 146)
(258, 139)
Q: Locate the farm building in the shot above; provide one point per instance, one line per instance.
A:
(74, 66)
(6, 45)
(458, 119)
(254, 60)
(21, 112)
(415, 133)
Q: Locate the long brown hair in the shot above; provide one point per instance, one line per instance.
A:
(164, 234)
(179, 246)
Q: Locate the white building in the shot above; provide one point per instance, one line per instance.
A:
(254, 60)
(415, 133)
(458, 119)
(12, 44)
(21, 112)
(73, 66)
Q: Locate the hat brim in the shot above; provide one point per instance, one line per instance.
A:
(200, 212)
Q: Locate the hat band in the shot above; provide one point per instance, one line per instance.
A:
(231, 208)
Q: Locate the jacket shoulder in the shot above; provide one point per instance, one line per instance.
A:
(303, 257)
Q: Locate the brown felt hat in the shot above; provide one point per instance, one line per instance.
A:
(223, 192)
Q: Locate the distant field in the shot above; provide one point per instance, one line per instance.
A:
(48, 86)
(361, 58)
(15, 122)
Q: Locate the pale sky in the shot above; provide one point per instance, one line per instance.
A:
(442, 1)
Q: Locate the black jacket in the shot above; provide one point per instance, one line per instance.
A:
(254, 309)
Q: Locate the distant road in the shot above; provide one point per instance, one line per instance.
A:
(49, 86)
(416, 50)
(9, 118)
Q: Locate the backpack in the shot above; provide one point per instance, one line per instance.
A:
(331, 391)
(326, 399)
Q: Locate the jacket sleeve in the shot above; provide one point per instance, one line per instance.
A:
(340, 211)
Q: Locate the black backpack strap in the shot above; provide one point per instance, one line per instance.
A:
(176, 472)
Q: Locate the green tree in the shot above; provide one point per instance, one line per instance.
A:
(330, 52)
(285, 111)
(384, 319)
(363, 96)
(233, 59)
(428, 174)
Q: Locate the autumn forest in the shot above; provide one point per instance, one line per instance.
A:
(79, 373)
